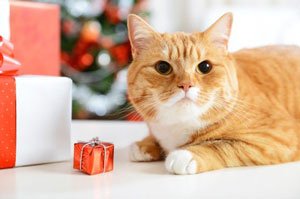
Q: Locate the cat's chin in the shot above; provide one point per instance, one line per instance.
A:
(185, 101)
(185, 104)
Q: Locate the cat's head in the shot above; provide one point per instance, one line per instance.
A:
(181, 77)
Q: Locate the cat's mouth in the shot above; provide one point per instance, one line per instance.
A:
(181, 98)
(186, 99)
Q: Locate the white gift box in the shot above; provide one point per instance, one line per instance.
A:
(42, 120)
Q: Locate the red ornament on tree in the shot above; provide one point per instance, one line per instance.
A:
(91, 31)
(121, 53)
(112, 13)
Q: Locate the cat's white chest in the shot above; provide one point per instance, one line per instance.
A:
(176, 122)
(175, 127)
(171, 137)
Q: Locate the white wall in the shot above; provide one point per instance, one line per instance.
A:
(256, 22)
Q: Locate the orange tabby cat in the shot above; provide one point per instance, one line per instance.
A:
(207, 108)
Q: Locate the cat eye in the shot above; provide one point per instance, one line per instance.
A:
(204, 67)
(163, 67)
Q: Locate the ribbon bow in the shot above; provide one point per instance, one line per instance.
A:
(93, 142)
(8, 64)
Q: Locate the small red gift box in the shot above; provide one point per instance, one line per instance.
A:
(93, 157)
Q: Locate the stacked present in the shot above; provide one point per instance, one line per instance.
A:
(35, 111)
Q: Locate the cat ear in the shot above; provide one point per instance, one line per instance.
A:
(140, 33)
(219, 32)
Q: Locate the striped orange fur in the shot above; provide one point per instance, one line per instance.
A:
(245, 111)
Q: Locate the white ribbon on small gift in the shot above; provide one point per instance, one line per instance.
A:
(94, 142)
(4, 19)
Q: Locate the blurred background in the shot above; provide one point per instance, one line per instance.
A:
(95, 51)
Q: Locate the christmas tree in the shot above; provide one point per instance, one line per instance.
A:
(95, 53)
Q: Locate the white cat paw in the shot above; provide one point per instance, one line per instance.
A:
(181, 162)
(137, 155)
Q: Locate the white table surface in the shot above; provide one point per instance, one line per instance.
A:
(143, 180)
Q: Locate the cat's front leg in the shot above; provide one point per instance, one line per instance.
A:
(146, 150)
(255, 148)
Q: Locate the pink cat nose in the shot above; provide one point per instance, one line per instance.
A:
(185, 86)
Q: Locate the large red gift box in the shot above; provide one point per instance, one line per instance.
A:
(93, 157)
(35, 33)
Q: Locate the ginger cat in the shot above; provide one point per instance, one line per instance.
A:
(209, 109)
